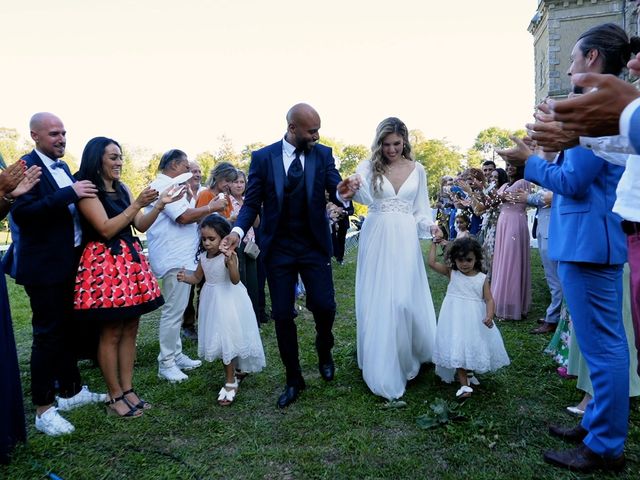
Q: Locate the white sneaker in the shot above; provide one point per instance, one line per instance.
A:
(83, 397)
(51, 423)
(185, 363)
(172, 374)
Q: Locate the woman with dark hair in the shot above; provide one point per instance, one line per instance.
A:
(511, 270)
(114, 283)
(14, 181)
(219, 185)
(395, 314)
(248, 263)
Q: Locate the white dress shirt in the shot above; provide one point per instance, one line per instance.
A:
(63, 180)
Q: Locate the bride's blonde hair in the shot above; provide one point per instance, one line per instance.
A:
(379, 164)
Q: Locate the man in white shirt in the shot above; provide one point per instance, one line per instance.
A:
(173, 241)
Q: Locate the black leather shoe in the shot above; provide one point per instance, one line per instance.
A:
(289, 395)
(327, 370)
(574, 435)
(582, 459)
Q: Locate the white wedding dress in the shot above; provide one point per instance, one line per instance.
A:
(394, 311)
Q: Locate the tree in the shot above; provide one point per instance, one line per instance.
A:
(493, 138)
(12, 146)
(245, 154)
(134, 171)
(350, 157)
(438, 158)
(473, 158)
(226, 153)
(206, 161)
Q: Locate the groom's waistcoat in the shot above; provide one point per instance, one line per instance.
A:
(294, 224)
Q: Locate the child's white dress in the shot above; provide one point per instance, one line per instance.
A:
(462, 340)
(227, 326)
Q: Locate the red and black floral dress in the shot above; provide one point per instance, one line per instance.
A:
(114, 280)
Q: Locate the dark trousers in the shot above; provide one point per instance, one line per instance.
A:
(338, 237)
(53, 361)
(249, 277)
(283, 266)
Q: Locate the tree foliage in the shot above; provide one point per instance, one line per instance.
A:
(438, 158)
(493, 138)
(350, 157)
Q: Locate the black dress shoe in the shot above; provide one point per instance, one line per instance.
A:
(574, 435)
(582, 459)
(327, 370)
(289, 395)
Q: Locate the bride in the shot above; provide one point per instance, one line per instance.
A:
(394, 311)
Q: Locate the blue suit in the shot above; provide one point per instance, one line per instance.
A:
(294, 239)
(587, 240)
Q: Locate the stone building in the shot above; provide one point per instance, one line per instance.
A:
(556, 26)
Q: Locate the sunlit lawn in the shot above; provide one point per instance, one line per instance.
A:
(335, 430)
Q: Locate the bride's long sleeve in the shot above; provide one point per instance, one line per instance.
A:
(363, 195)
(421, 208)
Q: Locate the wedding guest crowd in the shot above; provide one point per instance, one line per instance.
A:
(279, 219)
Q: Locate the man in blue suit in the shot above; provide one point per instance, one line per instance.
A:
(50, 238)
(587, 240)
(288, 180)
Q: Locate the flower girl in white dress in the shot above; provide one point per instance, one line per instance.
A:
(227, 324)
(466, 338)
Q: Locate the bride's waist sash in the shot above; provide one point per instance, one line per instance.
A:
(391, 205)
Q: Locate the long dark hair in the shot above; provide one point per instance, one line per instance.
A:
(613, 45)
(502, 177)
(220, 224)
(91, 163)
(459, 248)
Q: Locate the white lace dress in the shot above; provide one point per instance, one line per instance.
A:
(394, 311)
(462, 340)
(227, 326)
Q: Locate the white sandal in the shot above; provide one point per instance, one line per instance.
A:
(226, 397)
(464, 392)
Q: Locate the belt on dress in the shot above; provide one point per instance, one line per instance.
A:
(630, 228)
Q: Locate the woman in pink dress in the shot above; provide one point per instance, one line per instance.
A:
(511, 277)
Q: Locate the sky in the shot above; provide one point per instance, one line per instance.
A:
(162, 74)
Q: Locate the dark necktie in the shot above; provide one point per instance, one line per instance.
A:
(58, 164)
(295, 170)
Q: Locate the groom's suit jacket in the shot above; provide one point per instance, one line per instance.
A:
(266, 189)
(47, 254)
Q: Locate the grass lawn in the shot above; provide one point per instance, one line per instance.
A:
(335, 430)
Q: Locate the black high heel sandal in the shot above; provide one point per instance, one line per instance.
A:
(132, 413)
(142, 404)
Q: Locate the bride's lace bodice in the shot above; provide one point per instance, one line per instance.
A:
(412, 197)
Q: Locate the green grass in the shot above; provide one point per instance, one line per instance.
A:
(335, 430)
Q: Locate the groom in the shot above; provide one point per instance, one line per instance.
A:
(289, 179)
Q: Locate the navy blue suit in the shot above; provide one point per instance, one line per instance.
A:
(587, 240)
(46, 266)
(294, 239)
